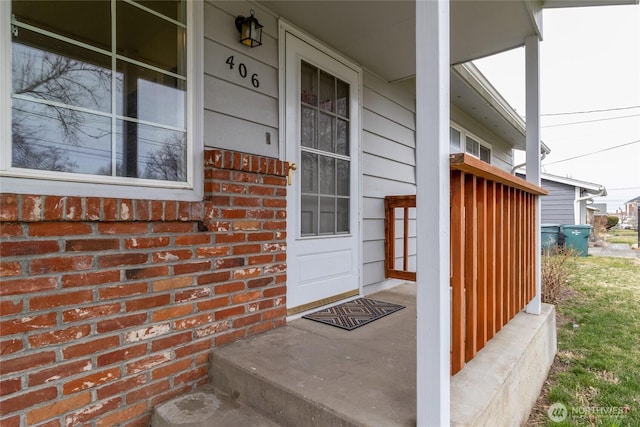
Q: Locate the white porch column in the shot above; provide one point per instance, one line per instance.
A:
(532, 62)
(432, 213)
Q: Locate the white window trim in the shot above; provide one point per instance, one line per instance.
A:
(463, 141)
(461, 148)
(21, 181)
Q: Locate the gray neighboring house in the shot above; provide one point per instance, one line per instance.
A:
(568, 199)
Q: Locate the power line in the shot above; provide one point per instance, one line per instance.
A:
(591, 111)
(590, 121)
(594, 152)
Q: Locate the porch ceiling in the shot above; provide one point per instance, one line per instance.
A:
(380, 35)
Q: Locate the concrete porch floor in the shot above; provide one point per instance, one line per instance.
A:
(308, 373)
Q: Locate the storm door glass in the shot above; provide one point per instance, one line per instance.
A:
(325, 162)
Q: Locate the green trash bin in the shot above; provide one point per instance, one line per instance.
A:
(577, 237)
(550, 235)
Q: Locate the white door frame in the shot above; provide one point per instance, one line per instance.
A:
(284, 28)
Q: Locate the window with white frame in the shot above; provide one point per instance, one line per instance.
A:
(99, 92)
(455, 140)
(460, 141)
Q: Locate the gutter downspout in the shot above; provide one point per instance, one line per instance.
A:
(602, 191)
(516, 167)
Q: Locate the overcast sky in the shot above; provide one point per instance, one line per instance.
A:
(590, 60)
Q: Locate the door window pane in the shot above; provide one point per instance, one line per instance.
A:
(342, 101)
(309, 173)
(342, 137)
(327, 215)
(309, 84)
(343, 216)
(327, 92)
(343, 178)
(326, 132)
(327, 175)
(308, 127)
(309, 216)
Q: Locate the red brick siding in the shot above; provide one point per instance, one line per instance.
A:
(110, 306)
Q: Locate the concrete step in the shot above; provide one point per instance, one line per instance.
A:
(206, 407)
(310, 374)
(275, 400)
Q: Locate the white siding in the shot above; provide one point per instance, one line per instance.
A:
(238, 115)
(388, 145)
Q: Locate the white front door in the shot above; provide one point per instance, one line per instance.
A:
(322, 123)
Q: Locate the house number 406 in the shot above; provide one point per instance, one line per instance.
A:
(242, 70)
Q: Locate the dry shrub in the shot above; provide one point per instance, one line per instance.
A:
(557, 264)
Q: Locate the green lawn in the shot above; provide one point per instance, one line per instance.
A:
(622, 236)
(597, 370)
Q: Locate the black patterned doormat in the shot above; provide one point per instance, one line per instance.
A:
(353, 314)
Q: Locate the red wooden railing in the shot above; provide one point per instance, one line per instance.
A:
(391, 203)
(492, 251)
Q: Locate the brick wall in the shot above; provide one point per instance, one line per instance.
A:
(110, 306)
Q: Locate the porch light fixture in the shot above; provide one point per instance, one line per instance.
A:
(250, 30)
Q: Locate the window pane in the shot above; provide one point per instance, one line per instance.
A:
(327, 175)
(309, 216)
(309, 173)
(472, 147)
(46, 68)
(308, 127)
(327, 92)
(342, 102)
(343, 216)
(327, 215)
(343, 178)
(62, 17)
(60, 139)
(49, 71)
(150, 39)
(309, 84)
(326, 128)
(172, 9)
(454, 136)
(342, 137)
(485, 154)
(151, 152)
(151, 96)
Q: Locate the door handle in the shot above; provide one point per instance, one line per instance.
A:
(292, 167)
